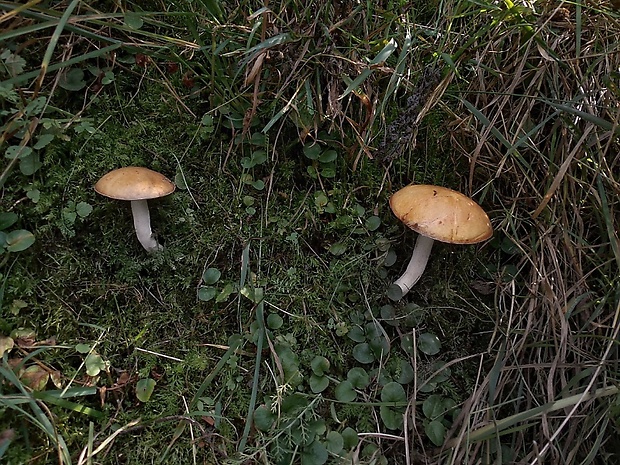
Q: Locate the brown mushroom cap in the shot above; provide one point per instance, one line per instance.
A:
(134, 183)
(441, 214)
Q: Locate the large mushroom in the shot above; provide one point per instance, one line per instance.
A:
(137, 185)
(436, 214)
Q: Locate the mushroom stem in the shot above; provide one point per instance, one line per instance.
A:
(417, 263)
(142, 223)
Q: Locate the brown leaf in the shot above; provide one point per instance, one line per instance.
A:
(35, 377)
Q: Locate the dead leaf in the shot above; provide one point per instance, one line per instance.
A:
(35, 377)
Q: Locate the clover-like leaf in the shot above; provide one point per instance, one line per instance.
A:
(312, 151)
(429, 344)
(350, 438)
(72, 80)
(19, 240)
(206, 293)
(358, 377)
(318, 383)
(345, 392)
(392, 415)
(94, 364)
(373, 223)
(274, 321)
(263, 418)
(334, 442)
(133, 20)
(319, 365)
(363, 353)
(83, 209)
(145, 388)
(436, 432)
(7, 219)
(328, 156)
(314, 454)
(211, 276)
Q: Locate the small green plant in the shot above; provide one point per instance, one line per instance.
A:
(437, 409)
(16, 240)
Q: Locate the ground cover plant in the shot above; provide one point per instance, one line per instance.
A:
(263, 331)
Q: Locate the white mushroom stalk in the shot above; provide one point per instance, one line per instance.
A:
(142, 224)
(416, 266)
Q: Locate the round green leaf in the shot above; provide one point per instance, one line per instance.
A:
(350, 438)
(392, 418)
(144, 389)
(72, 80)
(433, 407)
(337, 249)
(318, 427)
(394, 292)
(17, 151)
(393, 392)
(388, 314)
(19, 240)
(263, 418)
(328, 156)
(133, 20)
(358, 377)
(274, 321)
(319, 365)
(30, 164)
(334, 442)
(356, 334)
(7, 219)
(392, 415)
(312, 151)
(429, 343)
(206, 293)
(328, 172)
(406, 373)
(373, 223)
(345, 392)
(318, 383)
(314, 454)
(259, 184)
(259, 157)
(82, 348)
(83, 209)
(363, 353)
(94, 364)
(211, 276)
(436, 432)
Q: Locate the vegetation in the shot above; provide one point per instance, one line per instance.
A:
(263, 333)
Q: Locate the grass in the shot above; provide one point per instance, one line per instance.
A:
(263, 329)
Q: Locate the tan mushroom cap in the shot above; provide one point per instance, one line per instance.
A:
(134, 183)
(441, 214)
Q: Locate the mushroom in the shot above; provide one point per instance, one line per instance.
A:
(437, 214)
(137, 185)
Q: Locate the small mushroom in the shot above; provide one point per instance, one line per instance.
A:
(437, 214)
(137, 185)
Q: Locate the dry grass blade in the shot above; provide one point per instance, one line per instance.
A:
(542, 135)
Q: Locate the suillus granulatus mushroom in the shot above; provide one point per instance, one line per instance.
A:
(138, 185)
(436, 214)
